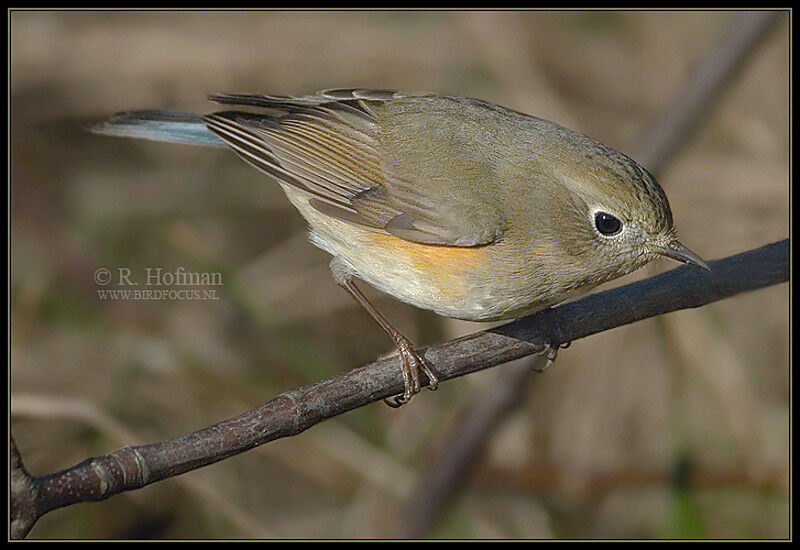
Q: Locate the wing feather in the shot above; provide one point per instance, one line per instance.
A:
(327, 146)
(253, 150)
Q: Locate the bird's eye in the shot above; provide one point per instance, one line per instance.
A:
(607, 224)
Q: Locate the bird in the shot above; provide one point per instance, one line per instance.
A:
(450, 204)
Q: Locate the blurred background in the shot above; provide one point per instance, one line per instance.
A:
(671, 427)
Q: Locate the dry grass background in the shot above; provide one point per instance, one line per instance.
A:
(597, 448)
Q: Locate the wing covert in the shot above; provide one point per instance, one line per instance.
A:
(327, 145)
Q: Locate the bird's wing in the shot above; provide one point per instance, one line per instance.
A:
(327, 145)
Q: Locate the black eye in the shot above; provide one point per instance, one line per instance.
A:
(607, 224)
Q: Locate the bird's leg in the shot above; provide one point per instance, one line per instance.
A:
(411, 362)
(552, 353)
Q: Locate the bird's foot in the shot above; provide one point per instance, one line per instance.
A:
(410, 366)
(551, 352)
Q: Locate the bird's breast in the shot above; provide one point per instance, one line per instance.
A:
(479, 283)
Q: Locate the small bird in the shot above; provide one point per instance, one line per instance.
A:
(455, 205)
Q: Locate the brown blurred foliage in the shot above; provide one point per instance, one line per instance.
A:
(599, 447)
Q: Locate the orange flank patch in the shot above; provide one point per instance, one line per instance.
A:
(438, 261)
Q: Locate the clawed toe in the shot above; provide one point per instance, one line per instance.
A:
(552, 353)
(433, 380)
(410, 367)
(410, 363)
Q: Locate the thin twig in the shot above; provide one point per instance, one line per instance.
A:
(295, 411)
(747, 30)
(24, 497)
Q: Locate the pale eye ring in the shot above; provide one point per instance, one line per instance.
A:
(607, 224)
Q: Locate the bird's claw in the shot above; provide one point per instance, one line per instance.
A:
(552, 353)
(410, 366)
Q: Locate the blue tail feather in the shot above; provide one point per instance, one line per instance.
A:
(169, 126)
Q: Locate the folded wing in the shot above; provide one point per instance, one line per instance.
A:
(326, 145)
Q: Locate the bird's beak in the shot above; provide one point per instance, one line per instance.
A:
(677, 251)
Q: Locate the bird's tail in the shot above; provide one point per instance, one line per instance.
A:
(169, 126)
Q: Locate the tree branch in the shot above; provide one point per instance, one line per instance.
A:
(24, 496)
(294, 411)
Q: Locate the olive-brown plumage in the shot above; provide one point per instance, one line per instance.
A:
(456, 205)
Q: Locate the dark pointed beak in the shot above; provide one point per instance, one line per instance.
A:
(677, 251)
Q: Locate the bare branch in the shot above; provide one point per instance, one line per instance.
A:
(668, 132)
(295, 411)
(24, 497)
